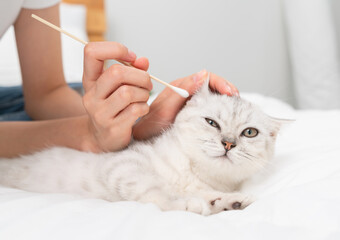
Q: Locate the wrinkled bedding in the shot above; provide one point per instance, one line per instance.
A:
(298, 197)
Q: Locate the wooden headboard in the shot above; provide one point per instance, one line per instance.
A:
(95, 19)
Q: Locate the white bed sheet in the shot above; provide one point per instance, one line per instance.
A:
(298, 198)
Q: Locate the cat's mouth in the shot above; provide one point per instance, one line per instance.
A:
(227, 157)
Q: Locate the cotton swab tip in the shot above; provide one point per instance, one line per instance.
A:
(180, 91)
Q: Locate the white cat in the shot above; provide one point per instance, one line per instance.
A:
(215, 144)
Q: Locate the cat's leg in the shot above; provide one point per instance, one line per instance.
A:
(205, 203)
(130, 183)
(150, 190)
(174, 201)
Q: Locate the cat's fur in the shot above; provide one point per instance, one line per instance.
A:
(185, 168)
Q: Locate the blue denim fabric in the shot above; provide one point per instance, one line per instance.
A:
(12, 104)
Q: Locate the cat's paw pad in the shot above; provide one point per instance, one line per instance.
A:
(196, 205)
(230, 201)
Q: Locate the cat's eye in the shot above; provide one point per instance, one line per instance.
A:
(250, 132)
(212, 123)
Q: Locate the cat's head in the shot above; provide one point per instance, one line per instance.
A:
(224, 136)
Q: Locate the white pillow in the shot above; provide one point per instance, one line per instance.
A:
(271, 106)
(73, 20)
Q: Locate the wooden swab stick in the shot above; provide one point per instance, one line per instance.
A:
(180, 91)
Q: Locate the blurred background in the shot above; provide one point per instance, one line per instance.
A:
(243, 41)
(288, 49)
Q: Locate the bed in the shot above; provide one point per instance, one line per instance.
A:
(297, 195)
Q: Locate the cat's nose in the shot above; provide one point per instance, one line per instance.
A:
(228, 145)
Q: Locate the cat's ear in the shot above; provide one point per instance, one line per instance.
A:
(278, 123)
(205, 89)
(282, 121)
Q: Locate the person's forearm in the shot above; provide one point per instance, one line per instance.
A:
(18, 138)
(61, 102)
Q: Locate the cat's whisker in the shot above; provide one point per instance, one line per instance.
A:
(252, 161)
(211, 145)
(262, 167)
(246, 157)
(268, 163)
(249, 154)
(256, 165)
(207, 140)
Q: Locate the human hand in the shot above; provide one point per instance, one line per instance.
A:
(164, 109)
(114, 98)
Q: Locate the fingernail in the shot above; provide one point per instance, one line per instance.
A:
(229, 91)
(198, 78)
(235, 92)
(131, 55)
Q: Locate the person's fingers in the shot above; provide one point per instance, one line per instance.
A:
(131, 113)
(234, 89)
(164, 109)
(222, 86)
(118, 75)
(95, 53)
(123, 97)
(141, 63)
(171, 102)
(190, 84)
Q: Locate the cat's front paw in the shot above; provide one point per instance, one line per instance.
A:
(195, 205)
(230, 201)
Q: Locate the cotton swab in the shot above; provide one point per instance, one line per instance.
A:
(180, 91)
